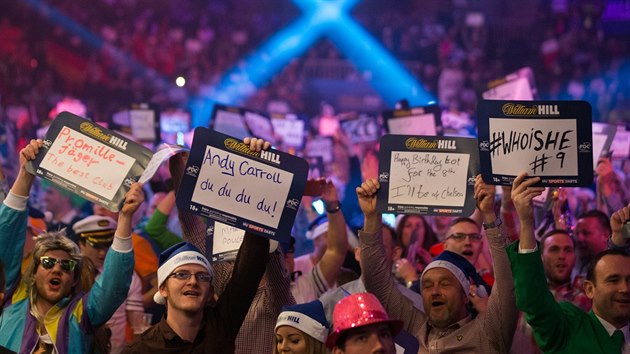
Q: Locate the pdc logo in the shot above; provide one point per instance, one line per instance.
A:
(192, 171)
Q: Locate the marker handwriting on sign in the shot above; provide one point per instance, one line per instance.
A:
(536, 140)
(82, 151)
(87, 162)
(545, 146)
(223, 160)
(426, 164)
(432, 178)
(242, 186)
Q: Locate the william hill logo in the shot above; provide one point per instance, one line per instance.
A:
(240, 147)
(270, 156)
(517, 109)
(116, 141)
(97, 133)
(418, 144)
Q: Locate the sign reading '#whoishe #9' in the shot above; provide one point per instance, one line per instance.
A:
(548, 139)
(258, 192)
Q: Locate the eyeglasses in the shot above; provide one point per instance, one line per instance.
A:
(460, 236)
(67, 265)
(201, 277)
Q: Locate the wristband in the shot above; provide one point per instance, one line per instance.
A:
(496, 223)
(335, 209)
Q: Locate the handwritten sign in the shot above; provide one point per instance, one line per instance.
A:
(315, 167)
(364, 129)
(255, 191)
(515, 86)
(320, 146)
(223, 241)
(603, 135)
(549, 139)
(143, 124)
(621, 144)
(414, 121)
(89, 160)
(229, 121)
(260, 126)
(427, 175)
(290, 128)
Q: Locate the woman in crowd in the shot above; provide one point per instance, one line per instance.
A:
(302, 329)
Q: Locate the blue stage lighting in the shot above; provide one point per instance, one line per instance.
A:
(329, 18)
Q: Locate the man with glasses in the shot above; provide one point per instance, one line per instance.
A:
(45, 310)
(464, 238)
(190, 324)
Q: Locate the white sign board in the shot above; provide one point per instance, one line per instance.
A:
(542, 147)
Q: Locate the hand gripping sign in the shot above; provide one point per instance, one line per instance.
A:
(255, 191)
(549, 139)
(427, 175)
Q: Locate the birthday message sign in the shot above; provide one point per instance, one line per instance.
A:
(89, 160)
(427, 175)
(255, 191)
(549, 139)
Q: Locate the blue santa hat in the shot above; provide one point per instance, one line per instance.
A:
(174, 257)
(308, 318)
(462, 269)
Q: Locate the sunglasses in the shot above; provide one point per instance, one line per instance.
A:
(67, 265)
(201, 277)
(460, 236)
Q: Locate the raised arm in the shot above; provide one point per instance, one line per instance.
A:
(13, 215)
(111, 288)
(618, 221)
(156, 227)
(501, 315)
(337, 244)
(376, 274)
(533, 297)
(610, 192)
(250, 264)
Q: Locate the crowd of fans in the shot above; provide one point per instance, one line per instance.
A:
(446, 283)
(110, 54)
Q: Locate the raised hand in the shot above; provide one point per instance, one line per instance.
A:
(366, 193)
(523, 194)
(329, 193)
(617, 221)
(484, 195)
(133, 198)
(24, 180)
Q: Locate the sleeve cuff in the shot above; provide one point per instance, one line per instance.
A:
(122, 245)
(524, 251)
(16, 202)
(613, 246)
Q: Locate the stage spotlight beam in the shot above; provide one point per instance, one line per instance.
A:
(321, 18)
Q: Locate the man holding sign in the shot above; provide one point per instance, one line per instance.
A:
(562, 327)
(46, 311)
(191, 325)
(446, 325)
